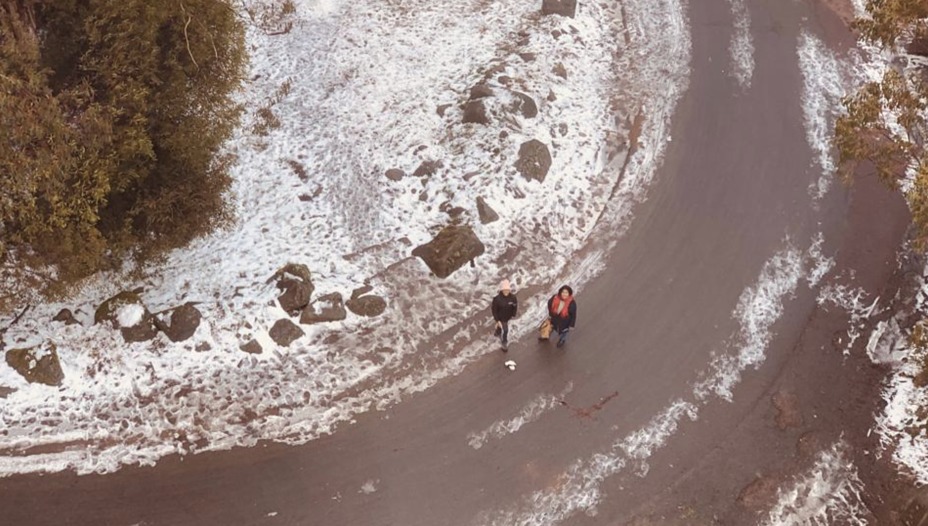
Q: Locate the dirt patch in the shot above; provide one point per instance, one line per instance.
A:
(843, 8)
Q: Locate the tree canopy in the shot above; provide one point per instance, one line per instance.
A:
(113, 114)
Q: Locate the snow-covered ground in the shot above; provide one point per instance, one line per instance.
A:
(356, 88)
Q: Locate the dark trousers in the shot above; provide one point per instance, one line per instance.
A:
(504, 335)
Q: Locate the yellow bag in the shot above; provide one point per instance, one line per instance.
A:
(544, 332)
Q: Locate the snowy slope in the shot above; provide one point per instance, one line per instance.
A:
(356, 87)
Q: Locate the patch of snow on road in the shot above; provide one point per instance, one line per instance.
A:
(741, 47)
(531, 412)
(853, 300)
(830, 492)
(824, 85)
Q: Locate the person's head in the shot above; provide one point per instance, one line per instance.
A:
(505, 287)
(565, 292)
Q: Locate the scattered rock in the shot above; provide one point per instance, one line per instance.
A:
(456, 212)
(485, 211)
(37, 364)
(562, 128)
(295, 280)
(6, 391)
(560, 70)
(788, 413)
(442, 108)
(480, 91)
(454, 246)
(475, 112)
(551, 96)
(360, 291)
(758, 493)
(395, 174)
(559, 7)
(284, 332)
(504, 80)
(528, 57)
(66, 316)
(325, 309)
(534, 160)
(107, 311)
(144, 330)
(252, 347)
(184, 322)
(427, 168)
(205, 346)
(369, 305)
(525, 104)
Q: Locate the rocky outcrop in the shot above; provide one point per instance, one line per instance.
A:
(37, 364)
(184, 322)
(368, 305)
(66, 316)
(559, 7)
(126, 312)
(296, 282)
(534, 160)
(485, 212)
(327, 308)
(284, 332)
(454, 246)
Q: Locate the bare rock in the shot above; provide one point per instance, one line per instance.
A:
(481, 91)
(108, 310)
(395, 174)
(559, 7)
(184, 322)
(454, 246)
(441, 109)
(427, 168)
(369, 305)
(325, 309)
(296, 282)
(6, 391)
(66, 316)
(788, 413)
(37, 364)
(485, 211)
(252, 347)
(534, 160)
(475, 112)
(126, 312)
(560, 70)
(525, 105)
(284, 332)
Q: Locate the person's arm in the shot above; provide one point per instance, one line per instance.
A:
(495, 309)
(572, 312)
(515, 306)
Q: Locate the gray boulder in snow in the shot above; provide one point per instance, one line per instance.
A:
(325, 309)
(251, 347)
(184, 322)
(126, 312)
(454, 246)
(534, 160)
(524, 105)
(369, 305)
(427, 168)
(296, 282)
(284, 332)
(559, 7)
(485, 211)
(37, 364)
(475, 113)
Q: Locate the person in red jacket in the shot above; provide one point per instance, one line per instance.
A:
(562, 311)
(505, 306)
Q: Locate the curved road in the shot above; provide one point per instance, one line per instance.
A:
(733, 188)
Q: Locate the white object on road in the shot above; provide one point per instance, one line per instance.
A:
(511, 364)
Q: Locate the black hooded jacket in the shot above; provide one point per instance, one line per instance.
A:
(505, 307)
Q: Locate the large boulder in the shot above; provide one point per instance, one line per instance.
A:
(559, 7)
(534, 160)
(524, 105)
(454, 246)
(37, 364)
(325, 309)
(126, 312)
(284, 332)
(184, 322)
(296, 283)
(475, 113)
(369, 305)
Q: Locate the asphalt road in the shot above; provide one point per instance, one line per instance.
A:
(733, 187)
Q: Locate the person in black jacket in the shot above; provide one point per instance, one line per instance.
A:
(562, 311)
(504, 307)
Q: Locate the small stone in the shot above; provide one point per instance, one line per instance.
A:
(395, 174)
(368, 306)
(252, 347)
(485, 211)
(284, 332)
(66, 316)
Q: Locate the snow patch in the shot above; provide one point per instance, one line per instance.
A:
(130, 315)
(741, 47)
(829, 493)
(531, 412)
